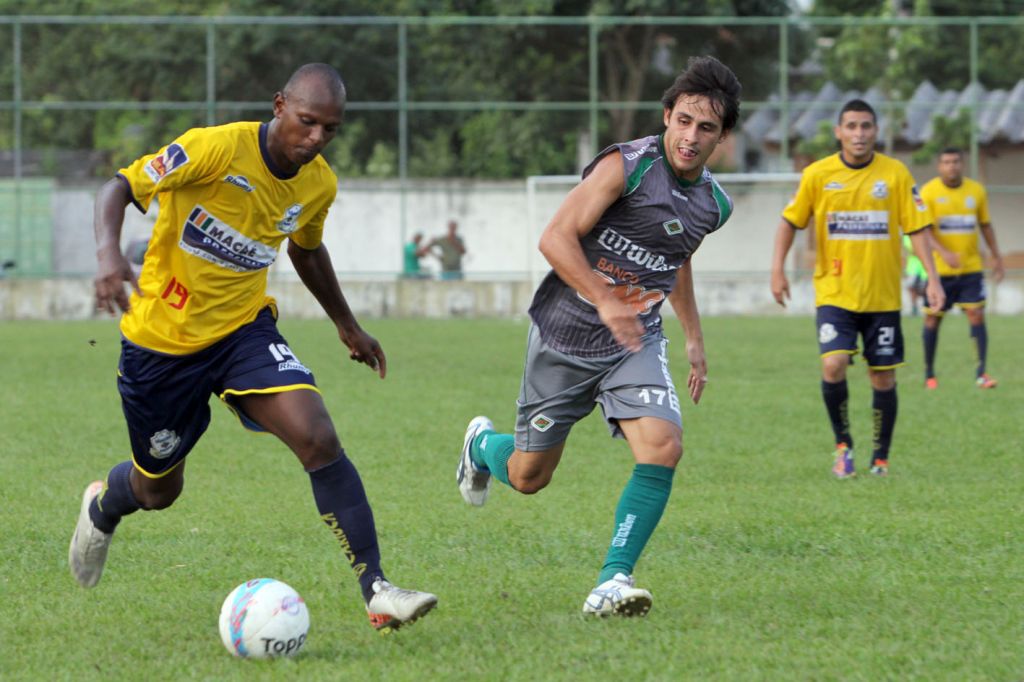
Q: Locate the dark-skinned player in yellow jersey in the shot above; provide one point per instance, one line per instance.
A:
(200, 322)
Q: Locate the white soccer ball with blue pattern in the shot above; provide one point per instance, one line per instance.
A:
(264, 618)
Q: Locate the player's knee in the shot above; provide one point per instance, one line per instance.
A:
(666, 451)
(318, 445)
(159, 496)
(833, 367)
(530, 482)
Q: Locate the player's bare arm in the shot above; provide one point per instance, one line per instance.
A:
(922, 249)
(684, 303)
(784, 236)
(998, 271)
(113, 269)
(317, 274)
(560, 244)
(952, 258)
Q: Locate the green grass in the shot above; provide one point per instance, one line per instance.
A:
(763, 567)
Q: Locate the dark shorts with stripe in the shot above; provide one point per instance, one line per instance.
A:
(966, 291)
(838, 329)
(166, 398)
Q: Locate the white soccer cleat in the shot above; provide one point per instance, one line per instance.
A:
(392, 607)
(88, 550)
(618, 597)
(474, 483)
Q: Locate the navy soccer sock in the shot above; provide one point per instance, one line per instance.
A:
(884, 410)
(980, 336)
(837, 397)
(341, 501)
(931, 340)
(116, 500)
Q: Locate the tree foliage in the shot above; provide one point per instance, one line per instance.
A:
(455, 74)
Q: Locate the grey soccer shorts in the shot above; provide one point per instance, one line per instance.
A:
(559, 389)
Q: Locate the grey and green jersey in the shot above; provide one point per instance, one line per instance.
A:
(636, 247)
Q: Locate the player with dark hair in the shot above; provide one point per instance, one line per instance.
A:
(619, 245)
(860, 200)
(200, 322)
(959, 206)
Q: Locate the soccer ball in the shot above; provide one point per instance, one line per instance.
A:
(264, 618)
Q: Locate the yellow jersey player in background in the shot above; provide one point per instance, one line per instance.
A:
(200, 322)
(959, 207)
(861, 202)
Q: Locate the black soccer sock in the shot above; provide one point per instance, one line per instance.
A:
(341, 501)
(836, 399)
(116, 500)
(884, 410)
(980, 336)
(931, 341)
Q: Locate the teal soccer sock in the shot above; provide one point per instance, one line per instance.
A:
(640, 508)
(491, 451)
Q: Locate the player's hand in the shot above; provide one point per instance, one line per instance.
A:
(622, 321)
(952, 258)
(112, 272)
(365, 349)
(998, 272)
(698, 379)
(936, 294)
(780, 288)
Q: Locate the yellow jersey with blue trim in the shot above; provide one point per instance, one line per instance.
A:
(958, 214)
(859, 214)
(224, 209)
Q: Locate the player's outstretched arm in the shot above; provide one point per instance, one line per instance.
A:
(783, 242)
(113, 269)
(317, 272)
(685, 304)
(560, 244)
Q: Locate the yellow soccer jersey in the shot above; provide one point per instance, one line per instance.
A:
(958, 213)
(225, 208)
(858, 216)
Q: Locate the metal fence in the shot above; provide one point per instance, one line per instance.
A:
(783, 63)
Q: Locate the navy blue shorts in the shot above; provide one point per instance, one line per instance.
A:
(966, 291)
(166, 398)
(883, 338)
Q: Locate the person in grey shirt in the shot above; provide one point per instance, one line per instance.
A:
(450, 250)
(620, 245)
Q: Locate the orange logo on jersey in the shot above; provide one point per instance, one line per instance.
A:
(640, 299)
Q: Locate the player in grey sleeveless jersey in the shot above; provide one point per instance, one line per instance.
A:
(619, 245)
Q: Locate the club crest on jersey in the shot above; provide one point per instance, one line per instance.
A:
(290, 222)
(163, 443)
(917, 199)
(673, 227)
(162, 165)
(542, 423)
(827, 332)
(969, 202)
(880, 190)
(239, 181)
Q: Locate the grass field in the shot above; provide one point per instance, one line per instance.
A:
(763, 567)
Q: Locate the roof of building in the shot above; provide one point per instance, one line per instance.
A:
(1000, 113)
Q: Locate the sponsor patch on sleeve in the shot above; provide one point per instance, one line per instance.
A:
(917, 199)
(162, 165)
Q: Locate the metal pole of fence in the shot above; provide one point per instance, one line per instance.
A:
(592, 86)
(974, 99)
(784, 90)
(18, 171)
(211, 76)
(403, 128)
